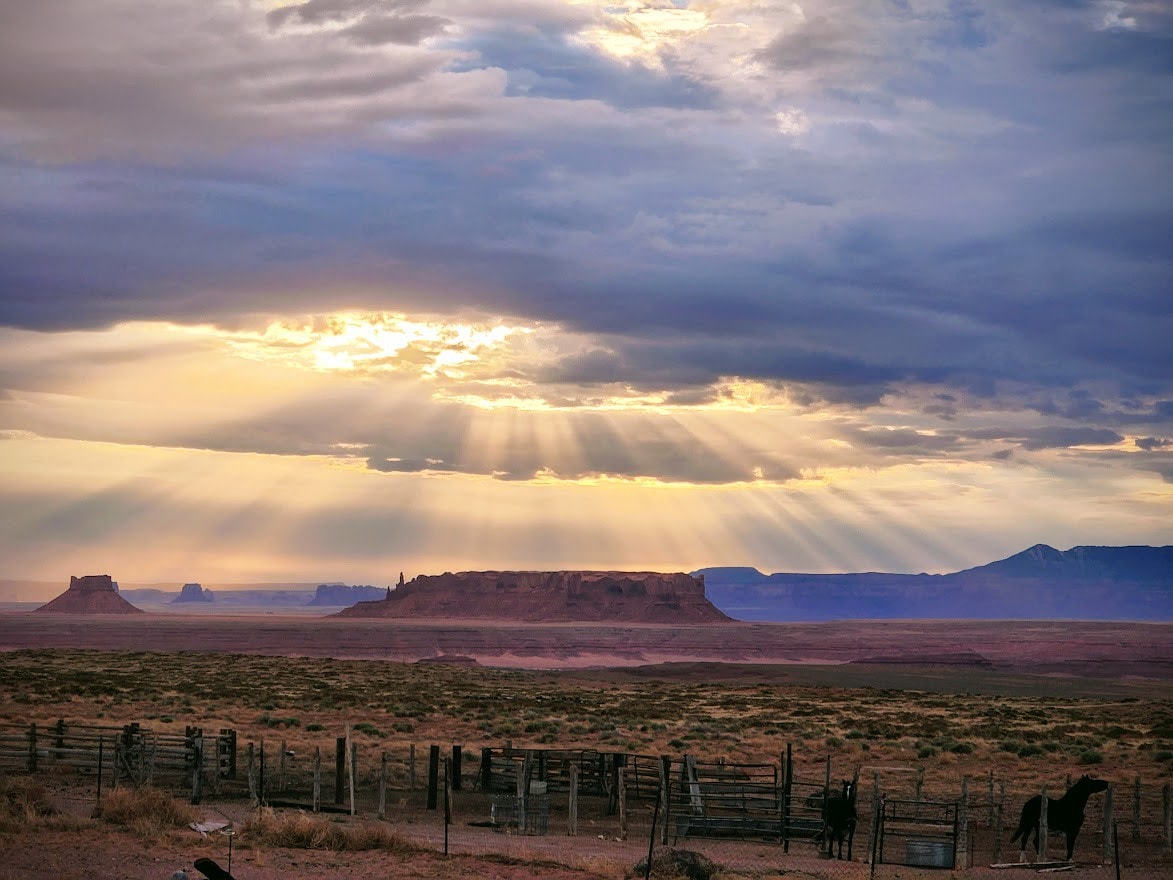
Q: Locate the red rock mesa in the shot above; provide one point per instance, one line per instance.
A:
(627, 596)
(91, 594)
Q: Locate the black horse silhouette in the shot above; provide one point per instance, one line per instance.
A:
(1064, 814)
(841, 818)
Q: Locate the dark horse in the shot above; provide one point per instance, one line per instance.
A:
(1064, 814)
(841, 818)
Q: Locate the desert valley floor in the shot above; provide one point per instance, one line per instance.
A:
(963, 702)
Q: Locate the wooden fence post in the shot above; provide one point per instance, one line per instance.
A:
(433, 776)
(990, 799)
(101, 761)
(317, 778)
(447, 800)
(1136, 809)
(383, 787)
(261, 775)
(227, 743)
(252, 776)
(572, 803)
(1042, 840)
(877, 834)
(456, 756)
(32, 753)
(998, 822)
(352, 768)
(197, 770)
(60, 738)
(411, 767)
(621, 787)
(920, 784)
(281, 768)
(339, 768)
(486, 769)
(1106, 856)
(963, 826)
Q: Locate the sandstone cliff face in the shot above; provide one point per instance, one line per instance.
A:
(640, 597)
(90, 594)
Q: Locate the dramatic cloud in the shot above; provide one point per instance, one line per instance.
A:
(648, 244)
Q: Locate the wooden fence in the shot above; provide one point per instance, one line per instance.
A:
(129, 753)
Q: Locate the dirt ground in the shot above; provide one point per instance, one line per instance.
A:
(93, 850)
(968, 648)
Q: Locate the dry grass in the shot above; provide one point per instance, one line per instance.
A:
(147, 813)
(22, 803)
(25, 806)
(302, 831)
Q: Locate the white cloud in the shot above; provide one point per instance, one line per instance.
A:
(792, 122)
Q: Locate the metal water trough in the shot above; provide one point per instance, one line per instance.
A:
(929, 853)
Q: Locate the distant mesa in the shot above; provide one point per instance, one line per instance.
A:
(621, 596)
(344, 595)
(193, 593)
(90, 594)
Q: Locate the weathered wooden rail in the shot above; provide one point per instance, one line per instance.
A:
(128, 752)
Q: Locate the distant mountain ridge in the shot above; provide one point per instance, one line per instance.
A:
(1083, 583)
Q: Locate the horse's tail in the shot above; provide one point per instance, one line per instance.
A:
(1021, 830)
(1027, 822)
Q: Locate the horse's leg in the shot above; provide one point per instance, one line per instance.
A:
(1072, 832)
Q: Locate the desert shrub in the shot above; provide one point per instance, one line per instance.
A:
(368, 728)
(1091, 756)
(270, 721)
(145, 812)
(1164, 756)
(403, 727)
(1013, 746)
(834, 742)
(1031, 750)
(961, 748)
(925, 752)
(315, 727)
(303, 831)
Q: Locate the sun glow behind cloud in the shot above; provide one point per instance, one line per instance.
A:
(374, 342)
(641, 31)
(337, 446)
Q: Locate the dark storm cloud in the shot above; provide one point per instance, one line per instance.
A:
(981, 202)
(1051, 436)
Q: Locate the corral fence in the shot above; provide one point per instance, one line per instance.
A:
(125, 754)
(903, 816)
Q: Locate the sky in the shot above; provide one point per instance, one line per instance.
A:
(335, 289)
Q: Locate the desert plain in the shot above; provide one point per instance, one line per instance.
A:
(982, 704)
